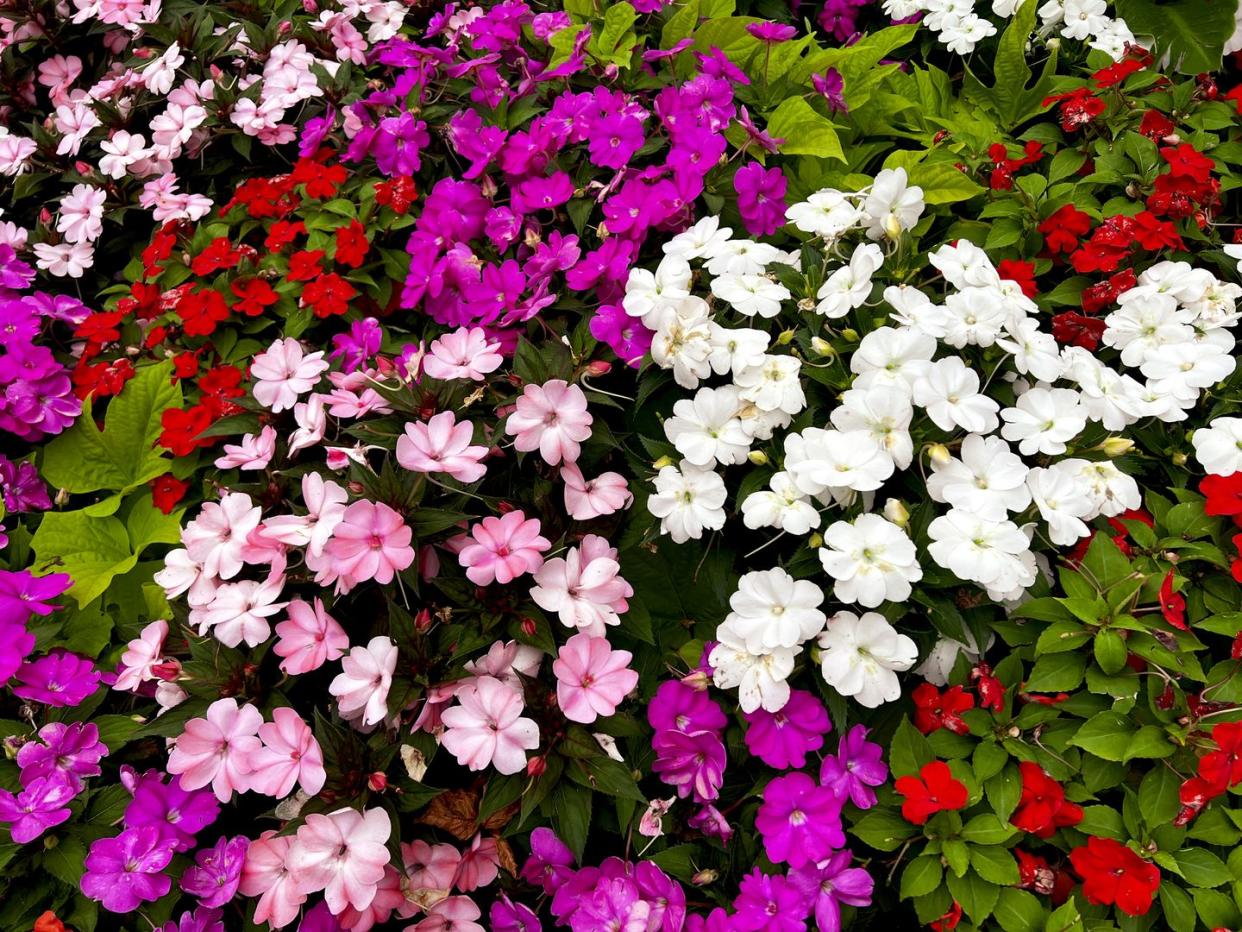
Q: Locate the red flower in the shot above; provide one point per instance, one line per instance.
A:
(1072, 329)
(185, 365)
(1194, 794)
(254, 295)
(1223, 767)
(201, 312)
(1116, 73)
(166, 491)
(1156, 125)
(48, 921)
(399, 193)
(305, 265)
(101, 379)
(1154, 234)
(1078, 108)
(328, 295)
(1034, 872)
(1015, 270)
(1185, 161)
(1113, 874)
(1223, 493)
(219, 254)
(949, 920)
(1172, 605)
(321, 181)
(160, 248)
(1100, 295)
(933, 790)
(264, 198)
(351, 244)
(1064, 228)
(182, 427)
(1235, 94)
(283, 233)
(1043, 808)
(933, 710)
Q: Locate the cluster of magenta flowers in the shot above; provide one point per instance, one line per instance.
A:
(53, 768)
(22, 596)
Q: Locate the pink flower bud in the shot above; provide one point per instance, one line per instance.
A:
(377, 782)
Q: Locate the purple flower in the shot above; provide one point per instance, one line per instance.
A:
(830, 884)
(398, 143)
(712, 823)
(544, 26)
(23, 595)
(176, 814)
(693, 763)
(857, 766)
(770, 903)
(14, 273)
(60, 678)
(65, 308)
(550, 863)
(216, 871)
(319, 918)
(127, 870)
(15, 641)
(831, 86)
(19, 324)
(716, 64)
(356, 348)
(23, 489)
(314, 132)
(555, 254)
(715, 921)
(42, 804)
(536, 194)
(614, 139)
(201, 920)
(679, 707)
(760, 198)
(663, 894)
(799, 820)
(783, 739)
(771, 33)
(759, 137)
(474, 141)
(614, 904)
(74, 750)
(625, 335)
(507, 916)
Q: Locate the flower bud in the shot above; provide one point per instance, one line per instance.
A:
(167, 670)
(422, 621)
(62, 497)
(50, 842)
(536, 766)
(1053, 44)
(1116, 446)
(662, 462)
(892, 226)
(822, 347)
(598, 367)
(757, 458)
(697, 680)
(850, 335)
(815, 540)
(704, 877)
(896, 511)
(786, 337)
(377, 782)
(1179, 459)
(13, 744)
(528, 627)
(939, 454)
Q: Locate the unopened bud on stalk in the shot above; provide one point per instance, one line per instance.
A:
(939, 454)
(896, 511)
(598, 367)
(704, 877)
(528, 627)
(786, 337)
(422, 621)
(892, 226)
(815, 540)
(757, 457)
(662, 462)
(1116, 446)
(377, 782)
(822, 347)
(536, 766)
(697, 680)
(850, 335)
(1179, 459)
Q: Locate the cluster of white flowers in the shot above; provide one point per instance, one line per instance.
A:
(917, 402)
(958, 27)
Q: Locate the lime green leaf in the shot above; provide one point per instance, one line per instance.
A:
(942, 183)
(805, 132)
(995, 864)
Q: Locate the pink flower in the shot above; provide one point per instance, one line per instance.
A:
(343, 854)
(312, 424)
(325, 506)
(366, 679)
(480, 864)
(290, 754)
(371, 542)
(80, 217)
(603, 495)
(266, 876)
(283, 373)
(141, 654)
(453, 914)
(218, 535)
(466, 353)
(505, 660)
(503, 548)
(431, 870)
(583, 588)
(308, 638)
(442, 445)
(217, 749)
(487, 727)
(551, 418)
(254, 452)
(239, 611)
(591, 678)
(64, 259)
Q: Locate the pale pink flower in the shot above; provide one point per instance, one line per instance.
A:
(486, 728)
(454, 914)
(290, 754)
(348, 403)
(501, 549)
(11, 234)
(240, 610)
(365, 680)
(283, 373)
(73, 120)
(431, 870)
(58, 73)
(172, 129)
(158, 76)
(181, 574)
(218, 535)
(254, 452)
(64, 260)
(217, 749)
(591, 678)
(342, 854)
(480, 864)
(603, 495)
(466, 353)
(123, 150)
(504, 660)
(325, 504)
(266, 876)
(312, 423)
(551, 418)
(141, 655)
(442, 445)
(371, 542)
(308, 638)
(584, 587)
(80, 217)
(15, 153)
(388, 896)
(123, 12)
(436, 701)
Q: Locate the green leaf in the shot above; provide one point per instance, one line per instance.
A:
(1102, 821)
(1019, 911)
(1110, 651)
(1065, 919)
(977, 896)
(680, 25)
(883, 830)
(909, 750)
(1105, 735)
(957, 856)
(1003, 791)
(1202, 868)
(995, 864)
(987, 829)
(123, 455)
(1179, 911)
(1193, 34)
(805, 132)
(921, 876)
(64, 862)
(571, 815)
(1057, 673)
(91, 550)
(942, 183)
(1158, 796)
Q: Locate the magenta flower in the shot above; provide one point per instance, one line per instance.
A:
(831, 86)
(551, 418)
(771, 33)
(591, 678)
(59, 678)
(371, 542)
(486, 728)
(507, 916)
(831, 883)
(857, 766)
(217, 749)
(42, 804)
(693, 763)
(770, 903)
(678, 707)
(799, 820)
(614, 904)
(783, 739)
(501, 549)
(177, 813)
(216, 871)
(201, 920)
(550, 864)
(290, 754)
(761, 198)
(23, 595)
(74, 750)
(127, 870)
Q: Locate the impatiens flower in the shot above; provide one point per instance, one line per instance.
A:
(893, 205)
(366, 677)
(592, 498)
(934, 710)
(501, 549)
(217, 537)
(800, 821)
(371, 542)
(254, 452)
(60, 678)
(128, 870)
(933, 790)
(1113, 874)
(442, 445)
(266, 875)
(343, 854)
(141, 655)
(768, 903)
(290, 754)
(1043, 807)
(857, 766)
(760, 198)
(308, 638)
(551, 418)
(486, 727)
(466, 353)
(771, 609)
(692, 762)
(783, 739)
(1218, 447)
(41, 804)
(584, 587)
(760, 678)
(861, 657)
(217, 749)
(830, 883)
(284, 372)
(216, 871)
(591, 678)
(179, 814)
(74, 750)
(688, 500)
(872, 561)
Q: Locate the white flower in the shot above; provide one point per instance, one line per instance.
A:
(995, 554)
(653, 296)
(1063, 501)
(785, 507)
(688, 501)
(1218, 447)
(1044, 420)
(913, 309)
(751, 294)
(988, 480)
(1035, 353)
(884, 412)
(974, 317)
(892, 356)
(1115, 400)
(773, 384)
(960, 34)
(1084, 18)
(772, 610)
(683, 342)
(819, 460)
(1112, 490)
(939, 663)
(950, 393)
(827, 213)
(758, 678)
(861, 656)
(1234, 251)
(1186, 368)
(706, 429)
(742, 257)
(704, 240)
(1144, 323)
(892, 205)
(872, 561)
(734, 350)
(849, 286)
(1114, 40)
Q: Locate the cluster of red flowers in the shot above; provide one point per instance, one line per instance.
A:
(1219, 770)
(1112, 874)
(934, 790)
(1004, 167)
(1224, 498)
(1043, 807)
